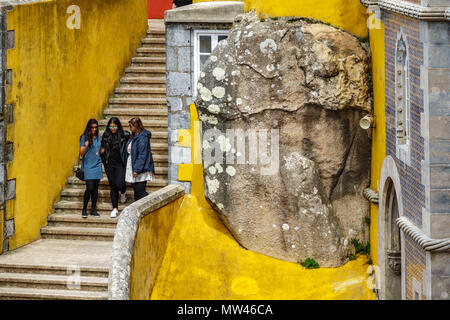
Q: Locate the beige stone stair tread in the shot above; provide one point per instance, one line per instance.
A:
(150, 40)
(136, 111)
(148, 60)
(156, 183)
(50, 278)
(78, 230)
(91, 255)
(151, 49)
(161, 80)
(130, 100)
(146, 69)
(125, 90)
(33, 293)
(72, 217)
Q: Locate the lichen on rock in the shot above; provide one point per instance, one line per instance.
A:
(306, 82)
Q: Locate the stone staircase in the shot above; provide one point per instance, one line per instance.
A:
(141, 93)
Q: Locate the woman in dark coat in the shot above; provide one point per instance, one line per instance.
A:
(140, 166)
(90, 146)
(114, 157)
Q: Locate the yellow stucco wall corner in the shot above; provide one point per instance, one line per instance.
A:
(185, 171)
(184, 137)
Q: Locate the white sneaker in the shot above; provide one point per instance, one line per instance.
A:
(123, 197)
(114, 213)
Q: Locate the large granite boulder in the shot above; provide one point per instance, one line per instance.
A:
(285, 161)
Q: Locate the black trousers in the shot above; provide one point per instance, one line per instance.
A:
(91, 192)
(139, 190)
(116, 179)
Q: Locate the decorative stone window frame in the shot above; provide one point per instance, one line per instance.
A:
(402, 99)
(214, 41)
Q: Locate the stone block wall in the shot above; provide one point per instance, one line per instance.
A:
(425, 180)
(180, 89)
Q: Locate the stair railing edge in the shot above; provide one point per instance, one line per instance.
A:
(125, 235)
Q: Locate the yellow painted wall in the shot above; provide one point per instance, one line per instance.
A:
(203, 260)
(61, 78)
(149, 249)
(379, 132)
(349, 15)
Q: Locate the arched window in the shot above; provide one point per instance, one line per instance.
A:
(402, 99)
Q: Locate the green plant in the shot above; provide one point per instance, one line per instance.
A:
(369, 261)
(363, 39)
(360, 247)
(262, 19)
(367, 220)
(310, 263)
(352, 257)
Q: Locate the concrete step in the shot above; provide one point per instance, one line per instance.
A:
(151, 50)
(151, 54)
(139, 71)
(104, 182)
(50, 294)
(149, 60)
(159, 135)
(29, 268)
(149, 124)
(159, 171)
(136, 102)
(140, 92)
(143, 81)
(47, 281)
(75, 220)
(76, 233)
(143, 113)
(77, 194)
(75, 183)
(153, 40)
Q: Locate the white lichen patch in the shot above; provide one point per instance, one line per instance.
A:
(202, 74)
(224, 143)
(213, 58)
(218, 92)
(231, 171)
(205, 93)
(267, 46)
(212, 170)
(213, 185)
(220, 206)
(214, 108)
(210, 119)
(219, 74)
(238, 101)
(206, 144)
(270, 67)
(285, 227)
(219, 168)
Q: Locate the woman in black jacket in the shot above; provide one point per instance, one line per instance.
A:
(114, 157)
(140, 167)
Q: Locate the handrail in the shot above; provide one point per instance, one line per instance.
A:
(125, 234)
(421, 238)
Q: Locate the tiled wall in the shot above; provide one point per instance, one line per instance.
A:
(413, 192)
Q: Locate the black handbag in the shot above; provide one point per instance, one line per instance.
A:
(79, 172)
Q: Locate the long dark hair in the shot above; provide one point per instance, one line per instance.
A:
(137, 123)
(88, 132)
(111, 138)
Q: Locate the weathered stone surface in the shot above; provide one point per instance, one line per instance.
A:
(306, 84)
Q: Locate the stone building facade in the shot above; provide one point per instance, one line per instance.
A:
(184, 27)
(414, 187)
